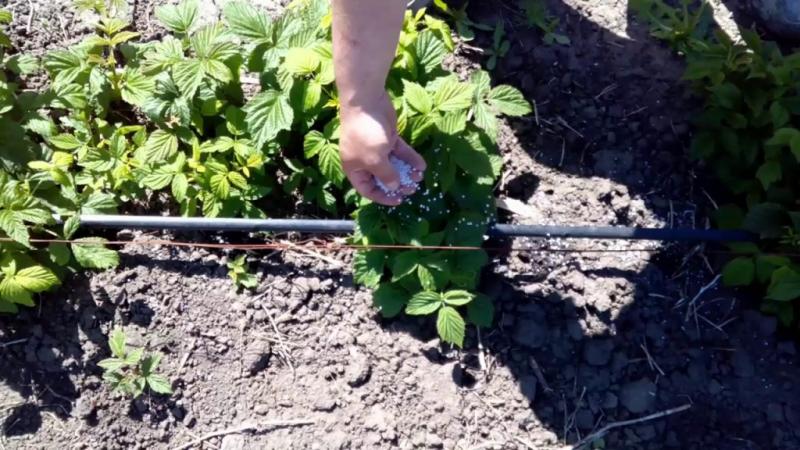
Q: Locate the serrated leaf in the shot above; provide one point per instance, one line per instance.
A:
(158, 178)
(389, 299)
(247, 21)
(112, 364)
(122, 37)
(268, 113)
(368, 267)
(472, 160)
(180, 184)
(220, 186)
(65, 142)
(22, 64)
(116, 343)
(785, 285)
(36, 278)
(13, 292)
(458, 297)
(417, 97)
(178, 18)
(451, 95)
(301, 61)
(739, 272)
(160, 146)
(509, 100)
(159, 384)
(59, 253)
(451, 326)
(429, 51)
(188, 75)
(330, 163)
(481, 311)
(220, 144)
(13, 226)
(424, 303)
(92, 254)
(426, 278)
(769, 173)
(237, 180)
(150, 363)
(136, 87)
(133, 357)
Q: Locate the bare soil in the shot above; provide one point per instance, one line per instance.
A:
(581, 339)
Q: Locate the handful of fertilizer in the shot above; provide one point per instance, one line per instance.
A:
(403, 169)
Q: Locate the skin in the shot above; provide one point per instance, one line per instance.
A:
(365, 35)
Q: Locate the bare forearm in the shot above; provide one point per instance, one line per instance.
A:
(365, 34)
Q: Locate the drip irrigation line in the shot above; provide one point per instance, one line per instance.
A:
(318, 226)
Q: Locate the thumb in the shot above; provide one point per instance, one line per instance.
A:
(385, 173)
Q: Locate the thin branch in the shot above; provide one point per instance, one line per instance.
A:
(247, 427)
(623, 423)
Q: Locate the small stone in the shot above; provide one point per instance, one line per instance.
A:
(610, 401)
(742, 364)
(261, 409)
(597, 352)
(257, 355)
(84, 407)
(359, 369)
(529, 333)
(325, 404)
(638, 396)
(433, 441)
(232, 442)
(774, 412)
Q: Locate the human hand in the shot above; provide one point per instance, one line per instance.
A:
(368, 137)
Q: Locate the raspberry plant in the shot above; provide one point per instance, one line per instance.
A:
(222, 119)
(130, 370)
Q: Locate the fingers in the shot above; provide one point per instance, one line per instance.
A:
(364, 183)
(386, 174)
(407, 154)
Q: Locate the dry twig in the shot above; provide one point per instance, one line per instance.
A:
(623, 423)
(247, 427)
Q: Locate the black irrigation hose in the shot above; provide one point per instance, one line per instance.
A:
(346, 226)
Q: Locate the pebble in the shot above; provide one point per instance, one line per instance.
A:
(742, 364)
(325, 404)
(597, 352)
(358, 370)
(257, 355)
(638, 396)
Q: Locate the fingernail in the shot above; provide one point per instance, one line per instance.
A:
(393, 185)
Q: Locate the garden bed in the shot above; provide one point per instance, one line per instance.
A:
(580, 340)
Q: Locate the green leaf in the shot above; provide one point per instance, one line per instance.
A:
(766, 265)
(159, 384)
(472, 160)
(136, 87)
(65, 142)
(220, 144)
(785, 285)
(178, 18)
(767, 219)
(451, 326)
(404, 264)
(769, 173)
(59, 253)
(116, 343)
(458, 297)
(13, 226)
(389, 299)
(426, 278)
(160, 146)
(417, 97)
(220, 186)
(481, 311)
(248, 22)
(150, 363)
(92, 254)
(453, 95)
(783, 137)
(424, 303)
(13, 292)
(508, 100)
(238, 180)
(330, 163)
(301, 61)
(429, 51)
(22, 64)
(134, 357)
(36, 278)
(739, 272)
(71, 226)
(368, 267)
(112, 364)
(188, 76)
(268, 113)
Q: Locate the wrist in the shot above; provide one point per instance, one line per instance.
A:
(362, 102)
